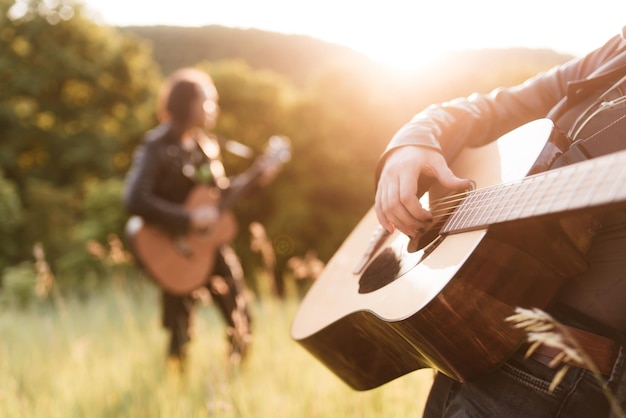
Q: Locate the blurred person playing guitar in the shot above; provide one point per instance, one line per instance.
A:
(176, 190)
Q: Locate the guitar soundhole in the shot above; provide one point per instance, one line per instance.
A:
(383, 270)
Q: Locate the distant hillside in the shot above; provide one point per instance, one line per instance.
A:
(296, 56)
(300, 57)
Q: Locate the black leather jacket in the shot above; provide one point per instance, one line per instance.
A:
(598, 293)
(161, 176)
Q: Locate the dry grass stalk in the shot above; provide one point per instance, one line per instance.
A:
(543, 329)
(45, 281)
(240, 337)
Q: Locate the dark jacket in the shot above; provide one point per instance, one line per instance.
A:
(161, 176)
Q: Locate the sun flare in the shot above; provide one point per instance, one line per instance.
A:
(402, 34)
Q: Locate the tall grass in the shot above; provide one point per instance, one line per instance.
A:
(104, 357)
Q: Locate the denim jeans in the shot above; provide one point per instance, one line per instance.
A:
(519, 389)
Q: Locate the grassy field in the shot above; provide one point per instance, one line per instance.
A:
(104, 357)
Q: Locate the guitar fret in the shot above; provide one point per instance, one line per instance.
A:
(470, 212)
(517, 193)
(566, 203)
(563, 203)
(530, 193)
(472, 209)
(475, 209)
(601, 183)
(545, 200)
(507, 192)
(538, 199)
(454, 220)
(618, 184)
(522, 196)
(585, 191)
(576, 186)
(494, 200)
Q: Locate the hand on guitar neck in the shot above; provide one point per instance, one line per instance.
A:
(268, 169)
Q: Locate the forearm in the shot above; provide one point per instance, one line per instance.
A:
(140, 199)
(481, 118)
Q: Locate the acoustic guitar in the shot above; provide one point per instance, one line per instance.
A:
(181, 264)
(385, 305)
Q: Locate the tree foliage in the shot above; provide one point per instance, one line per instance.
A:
(10, 220)
(75, 96)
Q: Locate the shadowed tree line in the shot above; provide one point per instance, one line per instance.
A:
(76, 98)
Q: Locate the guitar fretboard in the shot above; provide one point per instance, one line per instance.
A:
(596, 182)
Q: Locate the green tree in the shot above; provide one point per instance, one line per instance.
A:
(253, 103)
(341, 129)
(75, 97)
(10, 220)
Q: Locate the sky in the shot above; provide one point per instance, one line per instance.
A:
(402, 33)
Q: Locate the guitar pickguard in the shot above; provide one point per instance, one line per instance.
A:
(392, 263)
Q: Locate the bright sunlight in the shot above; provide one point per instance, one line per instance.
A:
(400, 33)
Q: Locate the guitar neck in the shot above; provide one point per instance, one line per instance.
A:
(241, 186)
(278, 152)
(592, 183)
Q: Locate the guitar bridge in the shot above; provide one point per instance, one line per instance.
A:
(182, 247)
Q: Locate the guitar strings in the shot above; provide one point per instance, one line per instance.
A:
(454, 204)
(483, 199)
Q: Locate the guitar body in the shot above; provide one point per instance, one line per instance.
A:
(445, 305)
(181, 264)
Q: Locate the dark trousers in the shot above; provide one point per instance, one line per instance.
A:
(227, 288)
(519, 389)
